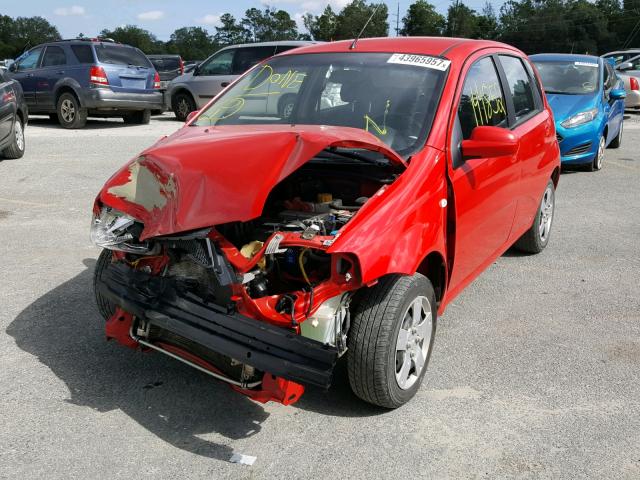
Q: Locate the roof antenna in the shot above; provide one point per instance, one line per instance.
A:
(355, 40)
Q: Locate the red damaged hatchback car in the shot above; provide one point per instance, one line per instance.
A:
(260, 244)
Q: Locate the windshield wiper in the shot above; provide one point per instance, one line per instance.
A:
(350, 154)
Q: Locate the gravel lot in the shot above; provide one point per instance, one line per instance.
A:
(535, 372)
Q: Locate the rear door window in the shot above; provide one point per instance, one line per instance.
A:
(166, 64)
(54, 56)
(520, 86)
(121, 55)
(482, 102)
(219, 64)
(247, 57)
(83, 53)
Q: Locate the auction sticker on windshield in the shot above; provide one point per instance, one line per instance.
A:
(420, 61)
(586, 64)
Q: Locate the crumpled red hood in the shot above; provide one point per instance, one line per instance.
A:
(204, 176)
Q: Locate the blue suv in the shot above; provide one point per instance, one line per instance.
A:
(71, 79)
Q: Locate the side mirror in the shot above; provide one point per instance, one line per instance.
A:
(191, 115)
(486, 142)
(624, 66)
(13, 67)
(617, 94)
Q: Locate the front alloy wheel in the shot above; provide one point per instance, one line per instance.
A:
(599, 158)
(391, 338)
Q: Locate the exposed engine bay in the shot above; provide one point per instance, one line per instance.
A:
(274, 268)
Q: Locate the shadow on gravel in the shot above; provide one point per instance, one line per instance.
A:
(180, 405)
(92, 123)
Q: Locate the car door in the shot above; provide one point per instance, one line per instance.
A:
(24, 72)
(484, 189)
(7, 107)
(52, 69)
(614, 109)
(212, 75)
(534, 127)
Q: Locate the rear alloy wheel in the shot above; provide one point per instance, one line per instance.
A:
(596, 164)
(391, 339)
(616, 142)
(142, 117)
(17, 145)
(537, 237)
(182, 105)
(70, 113)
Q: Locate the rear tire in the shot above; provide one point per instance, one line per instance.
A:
(142, 117)
(17, 145)
(70, 113)
(616, 142)
(182, 105)
(391, 339)
(105, 307)
(537, 237)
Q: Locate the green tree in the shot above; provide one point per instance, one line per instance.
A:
(422, 20)
(136, 37)
(269, 25)
(192, 43)
(27, 32)
(487, 26)
(7, 45)
(354, 16)
(462, 21)
(321, 27)
(230, 32)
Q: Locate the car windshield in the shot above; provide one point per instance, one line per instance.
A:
(569, 77)
(121, 55)
(392, 96)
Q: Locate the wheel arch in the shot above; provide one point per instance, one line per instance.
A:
(555, 176)
(434, 267)
(66, 88)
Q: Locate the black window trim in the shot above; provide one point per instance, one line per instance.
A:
(513, 123)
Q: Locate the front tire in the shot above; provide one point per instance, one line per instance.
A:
(182, 105)
(105, 307)
(537, 237)
(598, 160)
(391, 339)
(70, 113)
(17, 145)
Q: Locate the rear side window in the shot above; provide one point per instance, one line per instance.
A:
(121, 55)
(166, 64)
(520, 86)
(54, 56)
(83, 53)
(219, 64)
(247, 57)
(482, 102)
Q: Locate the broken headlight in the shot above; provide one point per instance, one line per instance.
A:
(111, 229)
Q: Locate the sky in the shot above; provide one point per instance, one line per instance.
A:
(163, 17)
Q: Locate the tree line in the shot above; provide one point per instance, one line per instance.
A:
(579, 26)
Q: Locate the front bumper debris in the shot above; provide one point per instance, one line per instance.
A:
(161, 303)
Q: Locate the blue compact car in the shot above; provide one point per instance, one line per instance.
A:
(587, 100)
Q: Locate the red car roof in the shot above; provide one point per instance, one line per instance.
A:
(451, 48)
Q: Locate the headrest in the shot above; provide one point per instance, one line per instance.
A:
(351, 80)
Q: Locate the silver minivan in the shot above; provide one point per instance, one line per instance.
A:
(193, 90)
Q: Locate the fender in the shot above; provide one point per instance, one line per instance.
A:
(71, 83)
(406, 221)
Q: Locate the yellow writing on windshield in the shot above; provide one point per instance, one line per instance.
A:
(487, 102)
(369, 122)
(267, 77)
(227, 108)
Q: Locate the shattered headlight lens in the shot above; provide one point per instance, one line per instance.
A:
(580, 118)
(109, 230)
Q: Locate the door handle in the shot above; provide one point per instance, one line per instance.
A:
(224, 84)
(29, 75)
(60, 72)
